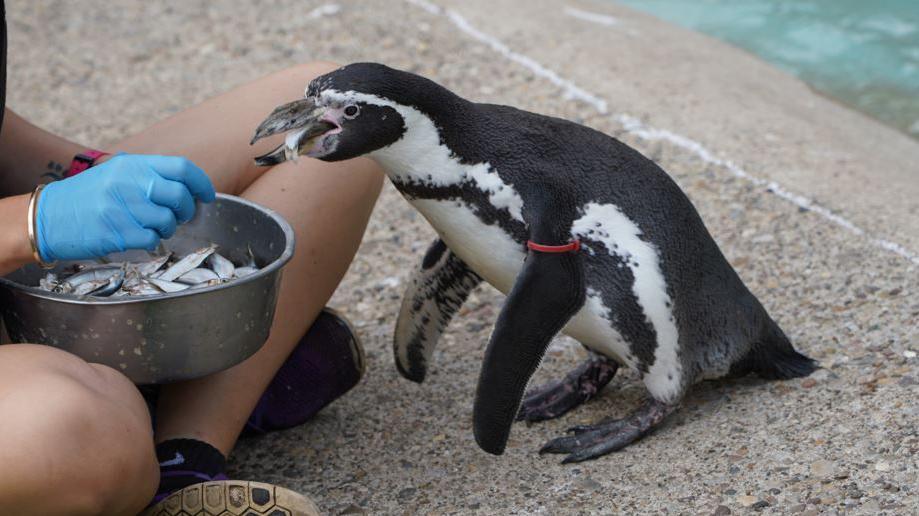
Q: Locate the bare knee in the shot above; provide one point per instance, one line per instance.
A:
(76, 431)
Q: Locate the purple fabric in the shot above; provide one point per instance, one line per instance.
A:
(319, 370)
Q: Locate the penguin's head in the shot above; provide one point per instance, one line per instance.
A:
(350, 112)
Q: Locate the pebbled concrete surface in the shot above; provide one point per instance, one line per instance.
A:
(843, 441)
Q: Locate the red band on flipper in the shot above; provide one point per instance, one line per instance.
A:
(570, 247)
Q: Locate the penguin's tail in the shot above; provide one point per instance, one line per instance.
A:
(774, 358)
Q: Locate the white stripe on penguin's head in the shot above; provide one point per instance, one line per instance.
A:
(420, 156)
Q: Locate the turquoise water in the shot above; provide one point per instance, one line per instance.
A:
(864, 53)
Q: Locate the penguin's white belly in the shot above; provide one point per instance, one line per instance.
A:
(592, 328)
(486, 249)
(497, 258)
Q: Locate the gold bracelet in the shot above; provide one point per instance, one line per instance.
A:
(33, 203)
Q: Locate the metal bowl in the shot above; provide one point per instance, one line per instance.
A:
(170, 337)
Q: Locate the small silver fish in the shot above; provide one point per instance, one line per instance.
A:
(148, 268)
(209, 283)
(242, 272)
(140, 288)
(95, 274)
(167, 286)
(114, 283)
(88, 287)
(132, 276)
(151, 277)
(49, 282)
(199, 275)
(189, 262)
(223, 267)
(146, 290)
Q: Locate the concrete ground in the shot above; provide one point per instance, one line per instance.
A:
(830, 248)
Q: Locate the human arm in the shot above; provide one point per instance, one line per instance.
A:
(27, 152)
(15, 250)
(129, 202)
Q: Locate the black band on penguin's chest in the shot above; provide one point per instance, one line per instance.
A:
(474, 198)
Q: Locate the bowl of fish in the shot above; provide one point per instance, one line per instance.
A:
(202, 302)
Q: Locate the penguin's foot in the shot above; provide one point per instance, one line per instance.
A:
(592, 441)
(555, 398)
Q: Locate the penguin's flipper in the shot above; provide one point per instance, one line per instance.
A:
(555, 398)
(548, 291)
(592, 441)
(433, 297)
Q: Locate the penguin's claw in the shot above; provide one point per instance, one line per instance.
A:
(558, 397)
(615, 443)
(585, 436)
(592, 441)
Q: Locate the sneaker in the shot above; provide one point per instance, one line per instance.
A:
(233, 497)
(326, 363)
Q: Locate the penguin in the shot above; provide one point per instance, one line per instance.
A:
(584, 235)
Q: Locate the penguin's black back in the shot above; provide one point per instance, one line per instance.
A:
(722, 325)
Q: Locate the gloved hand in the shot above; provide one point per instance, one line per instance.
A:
(130, 201)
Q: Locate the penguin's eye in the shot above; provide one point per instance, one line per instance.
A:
(351, 111)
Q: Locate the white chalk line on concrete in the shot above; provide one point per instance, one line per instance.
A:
(637, 128)
(598, 18)
(324, 10)
(570, 90)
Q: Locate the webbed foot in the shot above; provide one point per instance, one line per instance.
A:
(557, 397)
(592, 441)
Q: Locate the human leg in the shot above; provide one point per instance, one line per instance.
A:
(328, 205)
(75, 437)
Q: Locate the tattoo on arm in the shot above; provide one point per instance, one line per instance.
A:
(54, 170)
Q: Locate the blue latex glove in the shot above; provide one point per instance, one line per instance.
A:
(128, 202)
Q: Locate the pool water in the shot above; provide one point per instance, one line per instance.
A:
(864, 53)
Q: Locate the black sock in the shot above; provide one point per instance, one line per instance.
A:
(184, 462)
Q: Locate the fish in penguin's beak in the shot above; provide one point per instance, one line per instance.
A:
(304, 123)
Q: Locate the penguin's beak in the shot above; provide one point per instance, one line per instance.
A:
(304, 122)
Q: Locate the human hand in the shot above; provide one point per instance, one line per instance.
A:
(130, 201)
